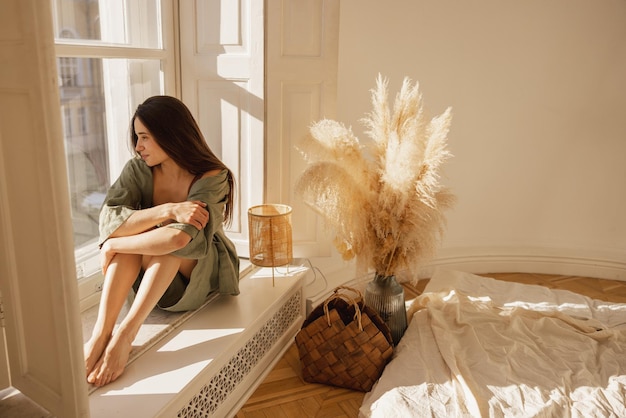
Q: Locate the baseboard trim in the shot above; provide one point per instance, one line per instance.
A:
(602, 265)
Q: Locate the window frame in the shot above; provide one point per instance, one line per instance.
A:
(89, 276)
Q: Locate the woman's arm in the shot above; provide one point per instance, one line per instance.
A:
(140, 221)
(154, 242)
(137, 235)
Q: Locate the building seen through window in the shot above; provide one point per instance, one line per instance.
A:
(82, 104)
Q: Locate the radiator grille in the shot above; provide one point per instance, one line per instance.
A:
(217, 390)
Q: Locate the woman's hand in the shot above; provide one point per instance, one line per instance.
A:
(106, 256)
(191, 212)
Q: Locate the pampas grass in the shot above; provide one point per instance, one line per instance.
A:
(381, 199)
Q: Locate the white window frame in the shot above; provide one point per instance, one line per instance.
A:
(88, 273)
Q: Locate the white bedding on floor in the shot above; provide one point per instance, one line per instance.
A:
(482, 347)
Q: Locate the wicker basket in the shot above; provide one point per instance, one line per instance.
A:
(344, 343)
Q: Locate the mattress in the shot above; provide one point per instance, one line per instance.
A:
(480, 347)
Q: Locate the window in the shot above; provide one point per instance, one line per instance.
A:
(110, 57)
(68, 69)
(82, 120)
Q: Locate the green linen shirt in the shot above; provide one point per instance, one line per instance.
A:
(218, 263)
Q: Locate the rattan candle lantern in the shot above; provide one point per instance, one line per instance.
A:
(270, 236)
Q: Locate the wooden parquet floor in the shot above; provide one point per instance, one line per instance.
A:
(284, 394)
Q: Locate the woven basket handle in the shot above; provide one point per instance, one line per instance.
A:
(358, 294)
(347, 299)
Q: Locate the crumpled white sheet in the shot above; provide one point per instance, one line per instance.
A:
(483, 347)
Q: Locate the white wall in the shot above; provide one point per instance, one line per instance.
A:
(538, 91)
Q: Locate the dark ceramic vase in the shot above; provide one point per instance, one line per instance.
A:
(386, 296)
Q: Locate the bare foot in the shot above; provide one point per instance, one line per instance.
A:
(113, 361)
(93, 350)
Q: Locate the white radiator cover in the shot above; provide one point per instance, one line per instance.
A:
(211, 364)
(219, 392)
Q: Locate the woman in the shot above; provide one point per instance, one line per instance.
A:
(161, 232)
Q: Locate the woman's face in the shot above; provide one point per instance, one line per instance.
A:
(147, 147)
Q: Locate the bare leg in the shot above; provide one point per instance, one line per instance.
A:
(119, 278)
(160, 271)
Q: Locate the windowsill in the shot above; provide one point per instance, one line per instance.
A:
(228, 346)
(151, 384)
(158, 324)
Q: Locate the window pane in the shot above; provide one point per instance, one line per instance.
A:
(97, 102)
(135, 23)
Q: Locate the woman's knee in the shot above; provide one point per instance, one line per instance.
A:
(165, 260)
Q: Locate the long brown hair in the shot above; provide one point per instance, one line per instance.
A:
(176, 131)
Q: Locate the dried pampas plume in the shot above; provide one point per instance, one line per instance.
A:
(382, 200)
